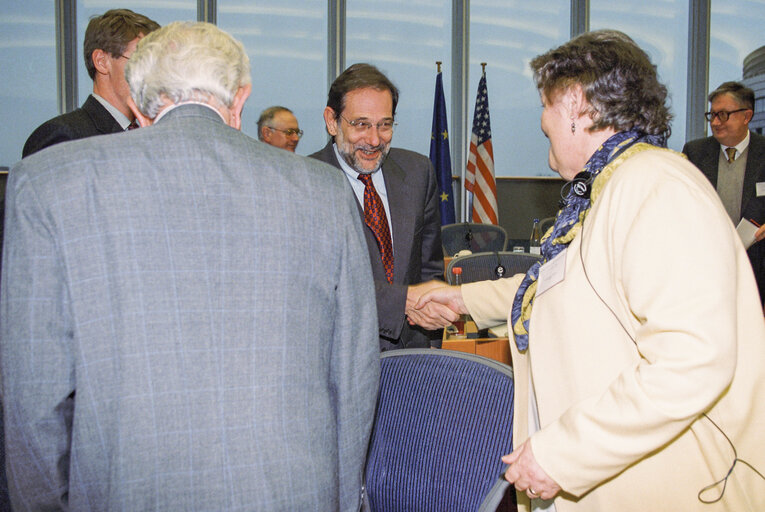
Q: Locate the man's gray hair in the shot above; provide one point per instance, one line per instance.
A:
(186, 61)
(267, 115)
(742, 94)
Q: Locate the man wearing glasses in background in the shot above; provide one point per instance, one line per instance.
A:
(397, 197)
(733, 159)
(110, 40)
(278, 127)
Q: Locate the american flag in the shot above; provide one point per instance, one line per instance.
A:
(479, 178)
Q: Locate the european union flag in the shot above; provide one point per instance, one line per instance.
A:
(439, 154)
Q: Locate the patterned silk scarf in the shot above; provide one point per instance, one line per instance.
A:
(568, 224)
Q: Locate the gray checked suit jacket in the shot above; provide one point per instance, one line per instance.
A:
(183, 326)
(417, 252)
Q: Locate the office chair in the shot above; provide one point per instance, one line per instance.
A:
(474, 237)
(545, 224)
(484, 266)
(443, 421)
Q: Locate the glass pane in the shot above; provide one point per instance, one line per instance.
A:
(507, 35)
(735, 34)
(287, 46)
(161, 12)
(28, 60)
(404, 39)
(660, 27)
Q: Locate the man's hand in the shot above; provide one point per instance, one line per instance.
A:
(527, 475)
(448, 296)
(430, 316)
(415, 291)
(760, 233)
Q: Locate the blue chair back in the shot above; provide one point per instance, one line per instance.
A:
(473, 237)
(443, 421)
(484, 266)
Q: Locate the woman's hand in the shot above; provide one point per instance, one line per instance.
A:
(527, 475)
(449, 296)
(427, 314)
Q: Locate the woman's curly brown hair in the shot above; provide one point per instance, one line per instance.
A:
(617, 77)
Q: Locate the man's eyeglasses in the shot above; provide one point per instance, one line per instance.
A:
(362, 127)
(722, 115)
(289, 132)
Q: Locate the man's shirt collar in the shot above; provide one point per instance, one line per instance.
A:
(118, 116)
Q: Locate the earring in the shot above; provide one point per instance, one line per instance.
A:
(573, 127)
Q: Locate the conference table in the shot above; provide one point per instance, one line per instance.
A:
(492, 343)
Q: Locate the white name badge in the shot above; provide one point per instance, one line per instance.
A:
(760, 188)
(552, 273)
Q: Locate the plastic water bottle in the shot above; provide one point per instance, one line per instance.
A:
(535, 239)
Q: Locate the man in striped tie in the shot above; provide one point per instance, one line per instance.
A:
(398, 201)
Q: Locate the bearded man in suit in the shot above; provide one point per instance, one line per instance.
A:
(401, 197)
(733, 159)
(110, 40)
(158, 350)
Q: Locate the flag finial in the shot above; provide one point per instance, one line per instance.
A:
(438, 66)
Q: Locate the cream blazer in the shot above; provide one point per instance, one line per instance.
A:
(654, 326)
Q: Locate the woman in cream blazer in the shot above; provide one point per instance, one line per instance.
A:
(639, 341)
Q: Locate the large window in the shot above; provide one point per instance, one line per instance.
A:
(507, 35)
(287, 46)
(736, 30)
(28, 60)
(404, 39)
(660, 28)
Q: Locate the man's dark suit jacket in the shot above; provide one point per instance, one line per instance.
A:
(705, 154)
(410, 183)
(89, 120)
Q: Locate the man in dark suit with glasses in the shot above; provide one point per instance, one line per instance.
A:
(733, 159)
(397, 198)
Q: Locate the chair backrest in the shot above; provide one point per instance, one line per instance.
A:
(545, 224)
(485, 266)
(474, 237)
(443, 420)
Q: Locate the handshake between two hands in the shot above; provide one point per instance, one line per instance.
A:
(434, 304)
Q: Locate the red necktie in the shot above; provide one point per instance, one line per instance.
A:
(375, 218)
